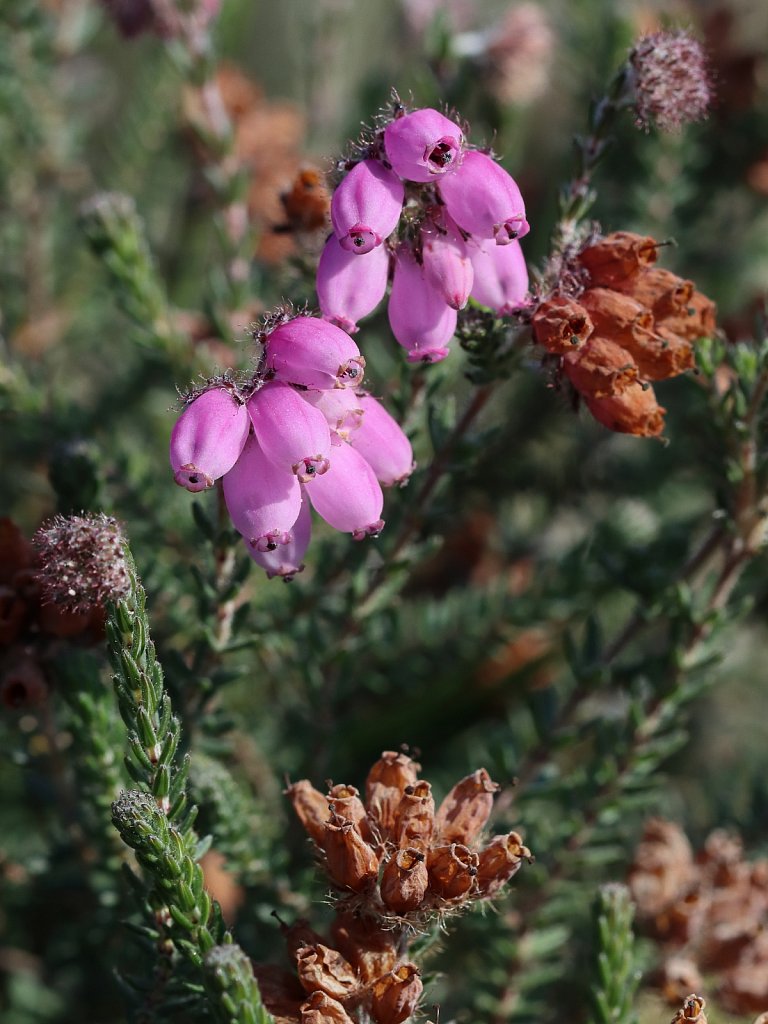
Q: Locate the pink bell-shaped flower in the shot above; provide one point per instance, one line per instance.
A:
(447, 266)
(366, 206)
(420, 318)
(501, 276)
(382, 443)
(423, 145)
(349, 286)
(315, 354)
(484, 200)
(263, 500)
(208, 438)
(348, 496)
(341, 407)
(285, 560)
(290, 432)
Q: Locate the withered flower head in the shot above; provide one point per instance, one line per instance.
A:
(561, 324)
(387, 781)
(404, 881)
(452, 870)
(322, 969)
(396, 995)
(352, 863)
(82, 562)
(321, 1009)
(602, 368)
(617, 258)
(415, 817)
(464, 812)
(671, 81)
(661, 291)
(371, 950)
(635, 412)
(616, 316)
(697, 320)
(692, 1011)
(345, 802)
(311, 808)
(499, 861)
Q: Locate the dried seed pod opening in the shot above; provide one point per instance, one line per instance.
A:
(404, 881)
(452, 870)
(561, 325)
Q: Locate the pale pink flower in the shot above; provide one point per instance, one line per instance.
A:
(350, 286)
(366, 206)
(423, 145)
(421, 320)
(290, 432)
(263, 500)
(383, 444)
(348, 496)
(315, 354)
(484, 200)
(501, 276)
(208, 438)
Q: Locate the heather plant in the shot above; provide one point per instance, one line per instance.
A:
(426, 682)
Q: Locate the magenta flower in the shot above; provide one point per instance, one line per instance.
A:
(447, 266)
(348, 496)
(314, 354)
(382, 443)
(341, 407)
(423, 145)
(350, 286)
(366, 206)
(208, 438)
(501, 276)
(285, 560)
(292, 434)
(421, 320)
(263, 500)
(484, 200)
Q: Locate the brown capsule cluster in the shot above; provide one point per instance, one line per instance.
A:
(633, 323)
(398, 856)
(708, 912)
(30, 627)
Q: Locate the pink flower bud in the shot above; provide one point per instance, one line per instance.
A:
(423, 145)
(420, 319)
(350, 286)
(366, 206)
(285, 559)
(341, 407)
(446, 261)
(484, 200)
(311, 352)
(382, 443)
(501, 276)
(263, 500)
(348, 496)
(208, 438)
(290, 432)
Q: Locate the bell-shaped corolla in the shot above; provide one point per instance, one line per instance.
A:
(348, 496)
(366, 206)
(501, 276)
(262, 499)
(207, 438)
(382, 442)
(423, 145)
(484, 200)
(290, 432)
(421, 321)
(315, 354)
(349, 286)
(285, 560)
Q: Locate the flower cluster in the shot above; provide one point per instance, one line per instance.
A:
(619, 323)
(710, 912)
(442, 219)
(671, 80)
(298, 431)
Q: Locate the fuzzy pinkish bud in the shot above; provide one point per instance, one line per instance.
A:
(341, 407)
(423, 145)
(315, 354)
(348, 496)
(382, 443)
(263, 500)
(207, 439)
(350, 286)
(285, 560)
(484, 200)
(501, 276)
(420, 318)
(366, 206)
(671, 80)
(447, 266)
(290, 432)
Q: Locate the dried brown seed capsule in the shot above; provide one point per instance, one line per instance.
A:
(602, 367)
(614, 315)
(387, 781)
(692, 1011)
(323, 969)
(345, 802)
(697, 320)
(370, 950)
(452, 870)
(415, 817)
(281, 992)
(395, 996)
(663, 868)
(676, 976)
(561, 324)
(617, 257)
(499, 861)
(463, 813)
(321, 1009)
(311, 807)
(659, 290)
(404, 881)
(659, 354)
(635, 412)
(351, 861)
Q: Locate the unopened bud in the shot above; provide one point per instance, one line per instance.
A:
(618, 258)
(325, 970)
(321, 1009)
(404, 881)
(415, 817)
(499, 861)
(395, 997)
(465, 810)
(311, 808)
(561, 324)
(452, 870)
(351, 861)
